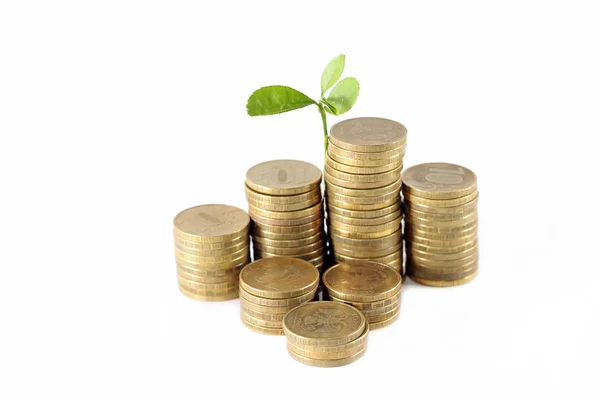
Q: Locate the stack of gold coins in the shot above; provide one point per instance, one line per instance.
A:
(271, 287)
(286, 207)
(372, 287)
(440, 203)
(362, 176)
(212, 245)
(326, 334)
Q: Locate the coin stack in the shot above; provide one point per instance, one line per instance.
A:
(211, 247)
(362, 176)
(286, 207)
(271, 287)
(440, 204)
(369, 286)
(326, 334)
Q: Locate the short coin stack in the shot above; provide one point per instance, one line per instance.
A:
(286, 207)
(211, 247)
(371, 287)
(362, 176)
(271, 287)
(440, 203)
(326, 334)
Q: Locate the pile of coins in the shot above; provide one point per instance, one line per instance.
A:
(362, 176)
(271, 287)
(326, 334)
(440, 204)
(369, 286)
(211, 247)
(286, 207)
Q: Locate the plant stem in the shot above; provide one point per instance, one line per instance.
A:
(324, 119)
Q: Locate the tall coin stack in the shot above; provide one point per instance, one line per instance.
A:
(362, 176)
(212, 245)
(440, 204)
(372, 287)
(271, 287)
(286, 207)
(326, 334)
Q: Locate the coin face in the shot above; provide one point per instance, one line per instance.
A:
(362, 281)
(212, 220)
(368, 134)
(323, 322)
(283, 177)
(439, 180)
(279, 277)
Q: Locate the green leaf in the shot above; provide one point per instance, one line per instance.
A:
(329, 107)
(271, 100)
(333, 72)
(344, 95)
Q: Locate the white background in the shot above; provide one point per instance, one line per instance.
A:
(116, 115)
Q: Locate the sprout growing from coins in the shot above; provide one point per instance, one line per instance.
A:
(270, 100)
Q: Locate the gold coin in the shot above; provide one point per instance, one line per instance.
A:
(383, 317)
(439, 257)
(332, 149)
(367, 162)
(324, 355)
(390, 177)
(441, 250)
(416, 271)
(384, 190)
(374, 315)
(273, 231)
(316, 209)
(362, 235)
(423, 202)
(326, 363)
(194, 267)
(374, 306)
(363, 199)
(259, 322)
(361, 207)
(384, 260)
(319, 236)
(462, 209)
(411, 231)
(433, 218)
(211, 253)
(440, 227)
(210, 295)
(210, 223)
(384, 323)
(473, 257)
(290, 251)
(234, 277)
(210, 259)
(207, 287)
(359, 342)
(351, 169)
(281, 200)
(271, 207)
(287, 221)
(211, 273)
(368, 134)
(268, 310)
(394, 225)
(439, 283)
(283, 177)
(263, 330)
(340, 219)
(360, 253)
(362, 281)
(292, 301)
(262, 316)
(318, 262)
(366, 244)
(439, 181)
(304, 256)
(363, 213)
(441, 243)
(194, 246)
(278, 278)
(323, 323)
